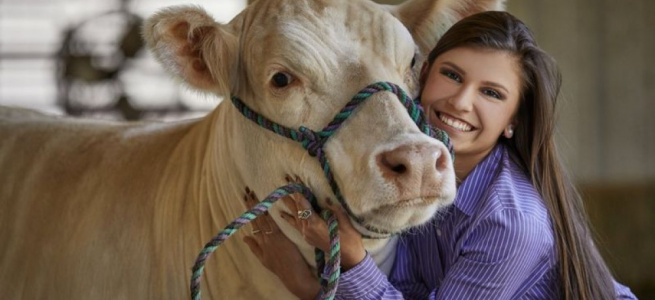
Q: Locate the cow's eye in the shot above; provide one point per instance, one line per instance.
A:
(281, 79)
(413, 61)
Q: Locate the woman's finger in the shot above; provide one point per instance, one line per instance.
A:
(291, 219)
(341, 214)
(254, 246)
(257, 224)
(290, 203)
(264, 222)
(297, 204)
(250, 203)
(298, 180)
(306, 212)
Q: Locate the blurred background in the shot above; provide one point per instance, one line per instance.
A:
(86, 58)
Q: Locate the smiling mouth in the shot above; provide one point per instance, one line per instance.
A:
(455, 123)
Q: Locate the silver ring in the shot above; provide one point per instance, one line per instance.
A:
(304, 214)
(268, 232)
(256, 232)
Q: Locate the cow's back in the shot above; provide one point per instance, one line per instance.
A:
(75, 197)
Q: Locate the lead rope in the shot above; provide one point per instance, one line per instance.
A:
(328, 273)
(313, 142)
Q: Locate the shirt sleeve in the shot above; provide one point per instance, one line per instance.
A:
(623, 292)
(366, 281)
(502, 251)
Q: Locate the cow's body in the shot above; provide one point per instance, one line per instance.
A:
(100, 210)
(104, 215)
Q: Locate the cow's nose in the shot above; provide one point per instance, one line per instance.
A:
(415, 166)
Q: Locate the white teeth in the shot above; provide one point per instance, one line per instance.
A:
(455, 123)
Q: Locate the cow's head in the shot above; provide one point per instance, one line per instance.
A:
(298, 62)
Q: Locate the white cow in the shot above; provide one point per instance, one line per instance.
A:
(102, 210)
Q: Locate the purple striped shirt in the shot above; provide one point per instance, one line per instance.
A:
(494, 242)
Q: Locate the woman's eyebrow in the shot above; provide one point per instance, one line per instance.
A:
(454, 66)
(496, 85)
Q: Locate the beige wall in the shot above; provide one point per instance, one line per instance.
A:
(605, 51)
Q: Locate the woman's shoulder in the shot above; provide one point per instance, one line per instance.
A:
(513, 214)
(512, 191)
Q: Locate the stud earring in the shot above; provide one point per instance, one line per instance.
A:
(510, 133)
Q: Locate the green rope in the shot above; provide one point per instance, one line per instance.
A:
(328, 273)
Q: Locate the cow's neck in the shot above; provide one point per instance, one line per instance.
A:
(213, 185)
(201, 192)
(232, 126)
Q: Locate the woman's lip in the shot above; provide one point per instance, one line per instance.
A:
(453, 128)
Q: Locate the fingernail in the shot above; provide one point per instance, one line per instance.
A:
(329, 201)
(287, 178)
(247, 190)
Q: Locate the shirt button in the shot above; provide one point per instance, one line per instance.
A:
(438, 232)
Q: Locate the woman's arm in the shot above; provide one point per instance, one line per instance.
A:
(503, 256)
(501, 252)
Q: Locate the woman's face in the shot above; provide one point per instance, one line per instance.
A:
(472, 94)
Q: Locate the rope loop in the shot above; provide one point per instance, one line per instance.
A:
(312, 141)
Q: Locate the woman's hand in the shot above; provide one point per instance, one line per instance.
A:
(315, 230)
(278, 254)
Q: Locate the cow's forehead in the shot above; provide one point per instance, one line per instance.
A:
(320, 36)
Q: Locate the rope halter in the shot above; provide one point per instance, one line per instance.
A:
(314, 141)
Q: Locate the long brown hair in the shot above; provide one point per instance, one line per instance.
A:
(583, 272)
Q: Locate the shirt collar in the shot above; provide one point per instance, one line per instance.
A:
(477, 182)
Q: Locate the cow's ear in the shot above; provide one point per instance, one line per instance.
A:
(428, 20)
(194, 47)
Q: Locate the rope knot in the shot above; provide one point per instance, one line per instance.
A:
(312, 142)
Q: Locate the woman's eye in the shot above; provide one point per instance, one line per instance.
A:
(493, 93)
(452, 75)
(281, 79)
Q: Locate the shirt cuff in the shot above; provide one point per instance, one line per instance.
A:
(362, 280)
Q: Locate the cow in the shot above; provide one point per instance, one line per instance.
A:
(108, 210)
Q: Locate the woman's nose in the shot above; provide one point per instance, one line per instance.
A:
(463, 99)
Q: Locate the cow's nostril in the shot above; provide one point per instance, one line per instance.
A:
(400, 169)
(395, 163)
(413, 163)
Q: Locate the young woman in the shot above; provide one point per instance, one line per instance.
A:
(517, 228)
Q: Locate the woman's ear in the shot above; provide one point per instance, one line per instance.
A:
(509, 130)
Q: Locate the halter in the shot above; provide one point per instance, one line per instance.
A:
(314, 141)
